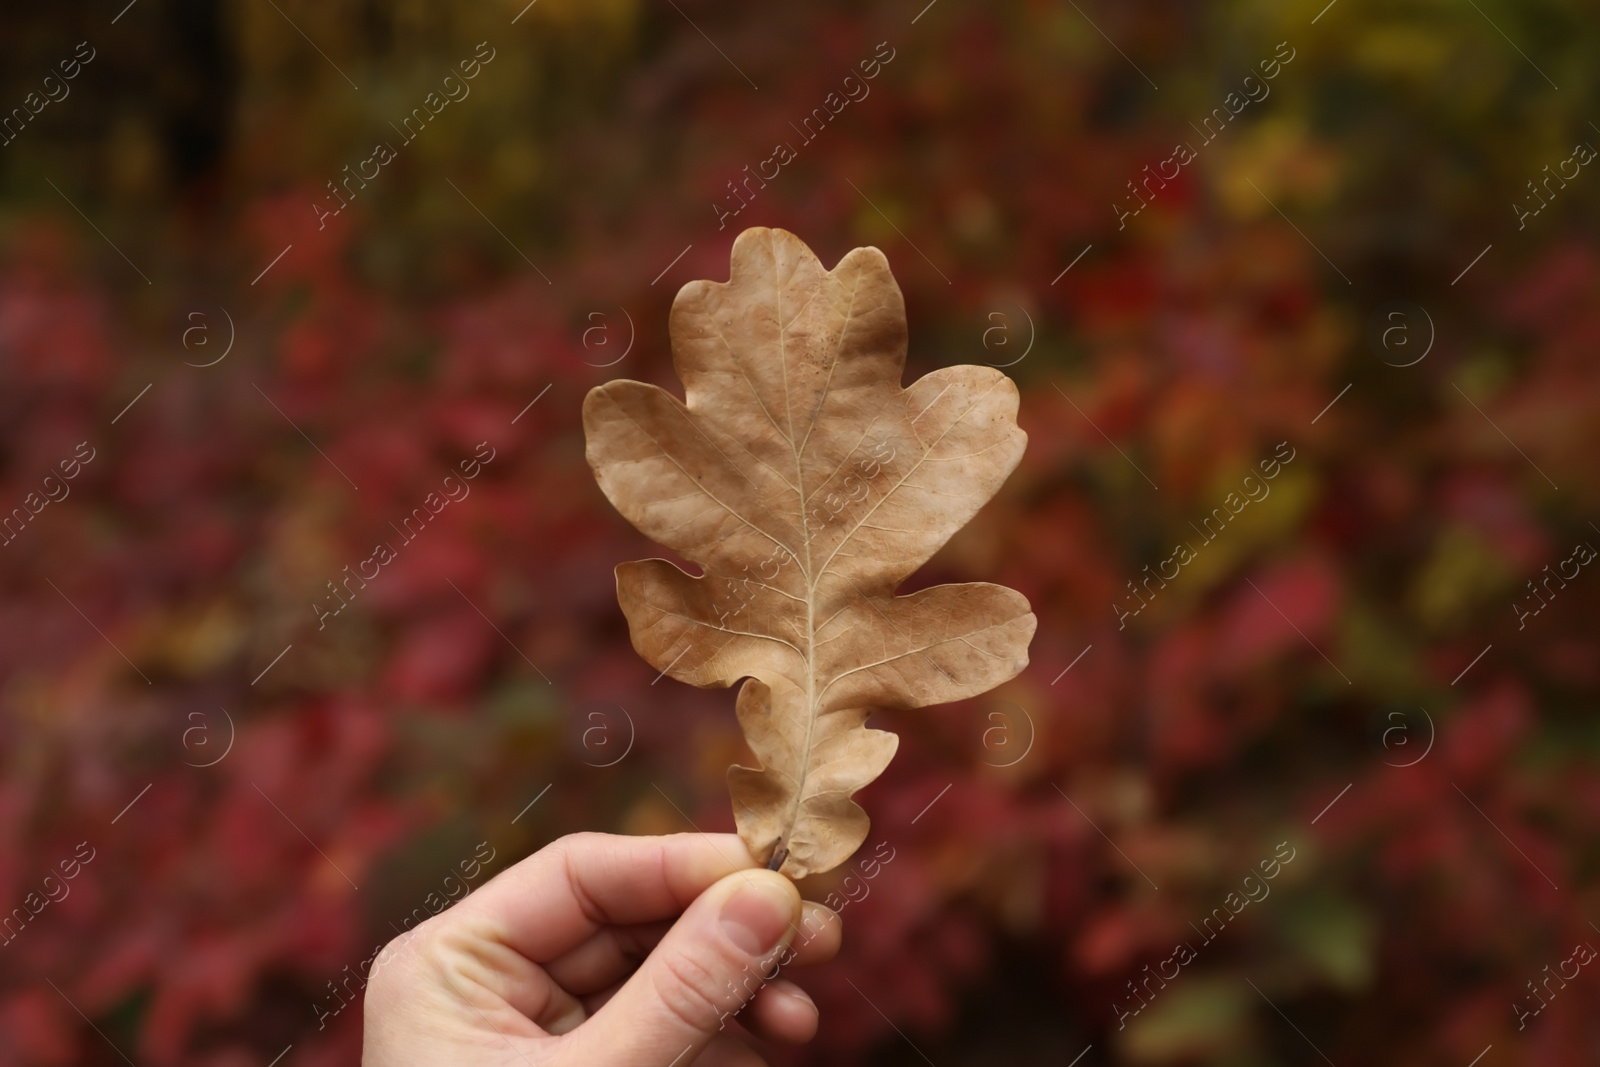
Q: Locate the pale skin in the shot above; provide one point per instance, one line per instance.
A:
(604, 950)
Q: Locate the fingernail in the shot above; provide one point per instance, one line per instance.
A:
(756, 917)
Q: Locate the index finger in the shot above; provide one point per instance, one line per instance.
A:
(561, 895)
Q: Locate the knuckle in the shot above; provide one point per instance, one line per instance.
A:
(689, 991)
(567, 844)
(416, 948)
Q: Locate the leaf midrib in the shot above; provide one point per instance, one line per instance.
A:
(805, 534)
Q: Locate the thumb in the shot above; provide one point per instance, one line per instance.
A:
(708, 966)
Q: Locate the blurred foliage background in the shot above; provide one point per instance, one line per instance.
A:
(1083, 821)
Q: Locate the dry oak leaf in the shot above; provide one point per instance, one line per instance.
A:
(808, 485)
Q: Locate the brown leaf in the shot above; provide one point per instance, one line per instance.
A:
(808, 485)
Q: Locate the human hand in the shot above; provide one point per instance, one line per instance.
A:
(603, 951)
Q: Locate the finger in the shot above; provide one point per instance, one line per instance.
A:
(821, 932)
(606, 958)
(616, 951)
(593, 1002)
(504, 973)
(714, 1052)
(782, 1011)
(486, 978)
(707, 967)
(783, 1023)
(560, 896)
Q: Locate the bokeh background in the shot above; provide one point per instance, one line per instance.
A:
(1353, 669)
